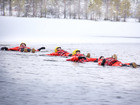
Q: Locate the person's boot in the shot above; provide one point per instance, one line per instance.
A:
(25, 50)
(88, 55)
(33, 50)
(114, 56)
(134, 65)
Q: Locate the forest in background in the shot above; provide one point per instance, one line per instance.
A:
(113, 10)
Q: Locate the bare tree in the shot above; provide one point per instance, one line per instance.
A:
(138, 12)
(3, 7)
(26, 6)
(64, 8)
(79, 9)
(86, 8)
(125, 9)
(18, 8)
(10, 8)
(95, 9)
(34, 7)
(41, 10)
(106, 12)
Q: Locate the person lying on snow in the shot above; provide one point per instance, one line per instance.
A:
(22, 48)
(59, 52)
(112, 61)
(78, 57)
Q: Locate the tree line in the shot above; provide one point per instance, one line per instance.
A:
(114, 10)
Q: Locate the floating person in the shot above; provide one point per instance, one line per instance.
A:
(112, 61)
(22, 48)
(78, 57)
(59, 52)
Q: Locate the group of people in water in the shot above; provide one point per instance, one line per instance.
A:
(76, 56)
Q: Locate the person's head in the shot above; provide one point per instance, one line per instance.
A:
(114, 56)
(57, 49)
(23, 45)
(77, 51)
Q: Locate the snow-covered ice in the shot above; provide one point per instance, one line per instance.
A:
(34, 79)
(15, 29)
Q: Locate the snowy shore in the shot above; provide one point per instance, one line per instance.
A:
(15, 29)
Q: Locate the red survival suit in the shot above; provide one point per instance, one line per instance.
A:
(112, 62)
(59, 53)
(18, 48)
(81, 58)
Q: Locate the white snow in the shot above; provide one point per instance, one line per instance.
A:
(14, 29)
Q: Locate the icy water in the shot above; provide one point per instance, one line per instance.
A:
(34, 79)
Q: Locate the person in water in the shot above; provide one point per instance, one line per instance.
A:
(59, 52)
(22, 48)
(78, 57)
(112, 61)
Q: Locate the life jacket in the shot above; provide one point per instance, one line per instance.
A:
(82, 60)
(110, 61)
(76, 59)
(62, 53)
(59, 53)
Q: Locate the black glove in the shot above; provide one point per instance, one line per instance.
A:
(70, 55)
(82, 57)
(96, 60)
(41, 48)
(103, 62)
(4, 48)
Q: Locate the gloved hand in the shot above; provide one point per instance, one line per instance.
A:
(103, 62)
(70, 55)
(4, 48)
(41, 48)
(80, 57)
(96, 60)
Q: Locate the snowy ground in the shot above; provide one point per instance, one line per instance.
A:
(32, 79)
(13, 29)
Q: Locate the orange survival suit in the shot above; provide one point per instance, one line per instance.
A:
(17, 48)
(81, 58)
(59, 53)
(111, 62)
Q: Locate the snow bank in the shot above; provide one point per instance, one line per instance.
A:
(15, 29)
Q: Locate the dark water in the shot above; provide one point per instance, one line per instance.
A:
(33, 79)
